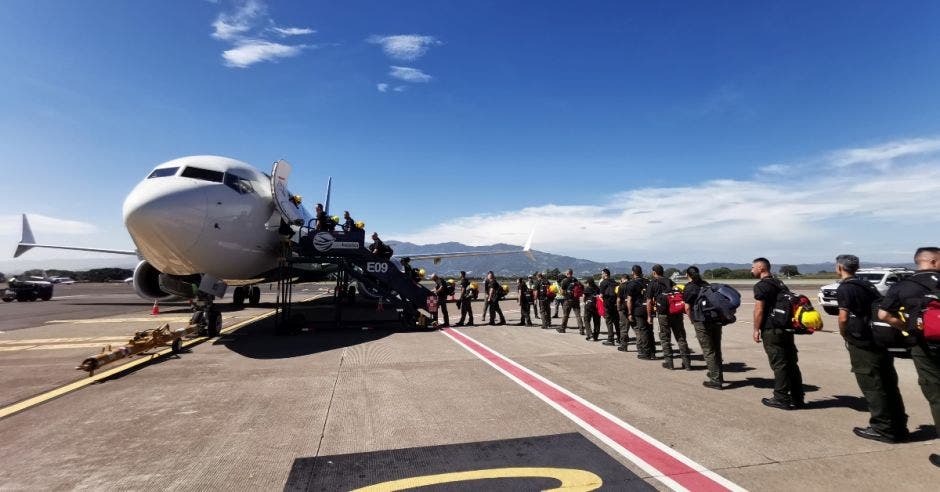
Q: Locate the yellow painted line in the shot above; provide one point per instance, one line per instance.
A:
(163, 319)
(68, 388)
(34, 341)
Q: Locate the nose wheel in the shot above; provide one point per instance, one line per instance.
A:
(208, 318)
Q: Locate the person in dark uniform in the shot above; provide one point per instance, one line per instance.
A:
(544, 303)
(636, 313)
(591, 291)
(348, 222)
(466, 300)
(525, 300)
(872, 364)
(440, 290)
(572, 303)
(408, 270)
(909, 295)
(535, 305)
(486, 295)
(707, 332)
(324, 223)
(493, 296)
(380, 249)
(608, 288)
(623, 314)
(778, 341)
(669, 324)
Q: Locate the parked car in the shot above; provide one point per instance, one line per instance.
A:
(27, 290)
(882, 278)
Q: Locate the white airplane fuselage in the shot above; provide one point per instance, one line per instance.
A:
(205, 215)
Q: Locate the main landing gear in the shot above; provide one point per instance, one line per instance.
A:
(251, 293)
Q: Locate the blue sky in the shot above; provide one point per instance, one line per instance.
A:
(620, 130)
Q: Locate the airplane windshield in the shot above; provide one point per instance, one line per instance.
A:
(162, 172)
(239, 184)
(203, 174)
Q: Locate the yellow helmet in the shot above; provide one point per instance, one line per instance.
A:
(681, 287)
(473, 285)
(553, 288)
(360, 224)
(450, 281)
(809, 318)
(617, 289)
(421, 273)
(505, 288)
(335, 218)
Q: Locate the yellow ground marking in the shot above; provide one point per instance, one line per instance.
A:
(163, 319)
(68, 388)
(35, 341)
(572, 480)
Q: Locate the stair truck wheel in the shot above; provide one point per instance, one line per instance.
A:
(238, 296)
(254, 295)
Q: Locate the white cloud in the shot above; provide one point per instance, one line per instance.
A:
(802, 218)
(883, 155)
(249, 52)
(381, 87)
(409, 74)
(406, 47)
(400, 88)
(231, 25)
(292, 31)
(244, 28)
(775, 169)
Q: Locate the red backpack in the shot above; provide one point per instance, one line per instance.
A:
(676, 303)
(925, 317)
(577, 290)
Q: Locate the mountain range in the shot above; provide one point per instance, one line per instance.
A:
(502, 265)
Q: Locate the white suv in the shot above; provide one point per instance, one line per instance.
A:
(882, 278)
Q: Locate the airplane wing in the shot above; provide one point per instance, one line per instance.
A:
(437, 257)
(288, 204)
(27, 242)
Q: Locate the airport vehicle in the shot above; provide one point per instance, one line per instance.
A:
(882, 278)
(27, 290)
(202, 223)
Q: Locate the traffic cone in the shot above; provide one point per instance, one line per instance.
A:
(156, 309)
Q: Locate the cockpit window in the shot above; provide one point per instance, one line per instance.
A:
(239, 184)
(203, 174)
(162, 172)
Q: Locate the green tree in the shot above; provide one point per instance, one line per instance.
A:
(721, 272)
(669, 271)
(789, 270)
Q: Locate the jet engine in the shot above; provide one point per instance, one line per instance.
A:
(150, 283)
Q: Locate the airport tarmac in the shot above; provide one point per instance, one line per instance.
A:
(519, 407)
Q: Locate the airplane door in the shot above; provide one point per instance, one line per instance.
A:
(286, 203)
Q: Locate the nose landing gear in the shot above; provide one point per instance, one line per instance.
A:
(207, 317)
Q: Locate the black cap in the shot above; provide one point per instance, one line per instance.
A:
(406, 260)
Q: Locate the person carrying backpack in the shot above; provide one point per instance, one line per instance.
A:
(669, 324)
(493, 296)
(525, 301)
(778, 340)
(911, 296)
(542, 298)
(590, 309)
(573, 292)
(871, 363)
(636, 314)
(466, 300)
(440, 290)
(708, 332)
(608, 287)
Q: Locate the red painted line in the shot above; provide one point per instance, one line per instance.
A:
(663, 462)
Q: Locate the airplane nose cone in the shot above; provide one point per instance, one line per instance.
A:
(165, 222)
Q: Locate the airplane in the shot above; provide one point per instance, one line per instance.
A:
(55, 280)
(202, 223)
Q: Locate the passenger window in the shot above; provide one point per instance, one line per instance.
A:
(891, 280)
(163, 172)
(203, 174)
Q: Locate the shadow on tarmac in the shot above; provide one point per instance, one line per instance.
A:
(765, 383)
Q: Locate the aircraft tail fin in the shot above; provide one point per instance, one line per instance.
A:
(326, 202)
(26, 240)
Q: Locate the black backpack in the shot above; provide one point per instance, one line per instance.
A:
(717, 303)
(781, 314)
(450, 289)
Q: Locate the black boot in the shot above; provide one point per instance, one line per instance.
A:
(667, 363)
(687, 362)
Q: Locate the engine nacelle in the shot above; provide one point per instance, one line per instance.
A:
(147, 282)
